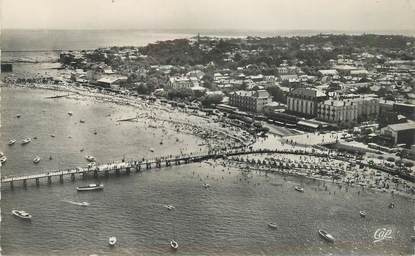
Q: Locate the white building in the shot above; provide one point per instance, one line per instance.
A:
(250, 100)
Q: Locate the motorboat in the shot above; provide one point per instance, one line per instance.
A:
(272, 225)
(151, 149)
(363, 214)
(26, 140)
(206, 185)
(174, 244)
(70, 113)
(90, 158)
(50, 158)
(112, 240)
(84, 204)
(299, 189)
(18, 115)
(36, 160)
(326, 236)
(11, 142)
(81, 121)
(52, 135)
(3, 159)
(22, 214)
(90, 187)
(169, 207)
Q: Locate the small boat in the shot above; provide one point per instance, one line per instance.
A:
(169, 207)
(70, 113)
(95, 132)
(112, 240)
(26, 140)
(3, 159)
(413, 238)
(35, 138)
(206, 185)
(18, 115)
(1, 154)
(84, 204)
(36, 160)
(174, 244)
(11, 142)
(391, 205)
(82, 150)
(90, 187)
(81, 121)
(161, 142)
(151, 149)
(90, 158)
(52, 135)
(363, 214)
(326, 235)
(272, 225)
(299, 189)
(21, 214)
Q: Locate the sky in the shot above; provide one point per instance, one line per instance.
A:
(346, 15)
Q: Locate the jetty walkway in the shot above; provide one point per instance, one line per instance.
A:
(128, 166)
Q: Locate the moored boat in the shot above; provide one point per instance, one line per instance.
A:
(272, 225)
(112, 240)
(22, 214)
(3, 159)
(299, 189)
(90, 158)
(70, 113)
(174, 244)
(326, 236)
(169, 207)
(36, 160)
(363, 214)
(26, 140)
(90, 187)
(11, 142)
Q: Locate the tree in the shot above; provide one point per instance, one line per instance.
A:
(277, 94)
(209, 100)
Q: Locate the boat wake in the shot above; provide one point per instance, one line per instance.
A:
(76, 203)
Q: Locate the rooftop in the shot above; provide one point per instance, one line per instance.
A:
(402, 127)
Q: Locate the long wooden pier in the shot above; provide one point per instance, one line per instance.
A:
(106, 169)
(136, 165)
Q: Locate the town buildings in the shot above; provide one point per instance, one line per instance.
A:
(253, 101)
(348, 112)
(304, 101)
(401, 133)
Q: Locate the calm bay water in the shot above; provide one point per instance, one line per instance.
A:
(230, 218)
